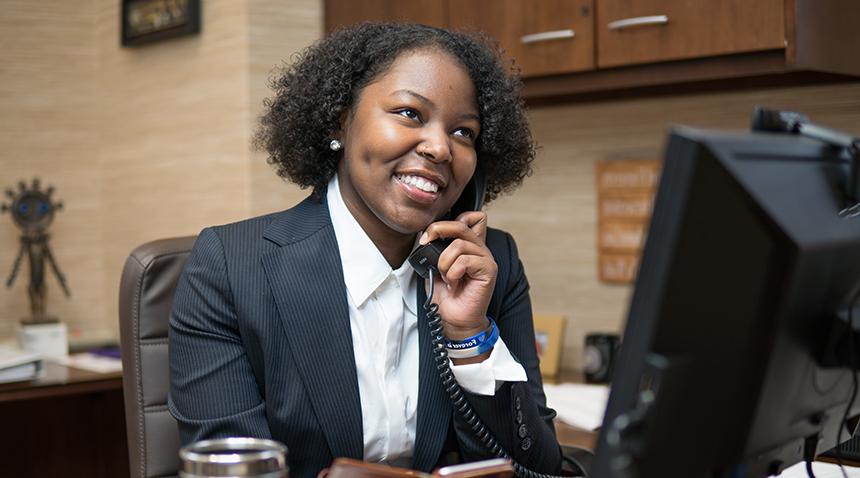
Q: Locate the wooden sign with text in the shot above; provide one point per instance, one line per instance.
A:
(625, 198)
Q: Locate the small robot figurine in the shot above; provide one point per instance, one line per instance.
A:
(32, 210)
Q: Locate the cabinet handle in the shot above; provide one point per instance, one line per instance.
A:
(638, 21)
(546, 36)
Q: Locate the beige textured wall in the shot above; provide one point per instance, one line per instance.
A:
(280, 30)
(48, 128)
(141, 143)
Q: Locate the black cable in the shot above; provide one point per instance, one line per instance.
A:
(809, 445)
(853, 358)
(458, 399)
(809, 469)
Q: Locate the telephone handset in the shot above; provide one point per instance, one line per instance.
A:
(425, 260)
(472, 199)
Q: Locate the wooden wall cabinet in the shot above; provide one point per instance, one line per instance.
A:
(642, 31)
(544, 37)
(591, 48)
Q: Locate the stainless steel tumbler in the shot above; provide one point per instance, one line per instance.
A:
(234, 458)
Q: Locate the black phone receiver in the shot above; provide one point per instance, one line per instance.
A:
(472, 199)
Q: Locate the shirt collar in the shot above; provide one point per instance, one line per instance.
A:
(364, 267)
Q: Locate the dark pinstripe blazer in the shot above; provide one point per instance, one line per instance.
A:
(260, 346)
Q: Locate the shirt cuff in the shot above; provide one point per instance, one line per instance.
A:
(486, 377)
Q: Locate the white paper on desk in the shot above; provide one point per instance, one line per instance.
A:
(821, 470)
(92, 363)
(578, 404)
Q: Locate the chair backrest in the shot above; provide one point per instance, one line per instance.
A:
(145, 298)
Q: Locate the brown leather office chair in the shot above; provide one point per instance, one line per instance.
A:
(145, 298)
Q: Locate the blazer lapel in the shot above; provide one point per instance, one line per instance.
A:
(434, 405)
(307, 283)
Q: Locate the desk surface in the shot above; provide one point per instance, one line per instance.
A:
(567, 434)
(60, 380)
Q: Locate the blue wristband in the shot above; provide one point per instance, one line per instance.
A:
(474, 345)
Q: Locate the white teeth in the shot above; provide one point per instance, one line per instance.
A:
(420, 183)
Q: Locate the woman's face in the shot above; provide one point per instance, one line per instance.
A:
(409, 143)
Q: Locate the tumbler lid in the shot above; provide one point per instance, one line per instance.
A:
(234, 457)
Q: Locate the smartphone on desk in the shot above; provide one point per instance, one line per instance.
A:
(472, 199)
(350, 468)
(493, 468)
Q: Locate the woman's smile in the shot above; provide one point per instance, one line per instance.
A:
(423, 187)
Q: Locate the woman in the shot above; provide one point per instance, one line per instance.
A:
(306, 326)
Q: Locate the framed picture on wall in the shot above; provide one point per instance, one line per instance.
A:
(146, 21)
(549, 334)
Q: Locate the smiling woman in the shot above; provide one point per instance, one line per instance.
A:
(304, 325)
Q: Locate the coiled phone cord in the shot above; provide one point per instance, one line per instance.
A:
(461, 404)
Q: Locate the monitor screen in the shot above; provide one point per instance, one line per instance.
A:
(727, 366)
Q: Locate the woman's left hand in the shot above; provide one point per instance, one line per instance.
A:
(468, 274)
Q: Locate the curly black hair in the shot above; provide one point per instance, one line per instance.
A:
(326, 79)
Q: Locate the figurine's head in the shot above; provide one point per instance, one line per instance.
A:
(32, 208)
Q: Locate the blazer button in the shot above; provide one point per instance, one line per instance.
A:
(519, 416)
(517, 404)
(522, 431)
(526, 443)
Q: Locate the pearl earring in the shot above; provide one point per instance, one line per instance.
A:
(335, 145)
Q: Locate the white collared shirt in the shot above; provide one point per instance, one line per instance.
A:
(383, 319)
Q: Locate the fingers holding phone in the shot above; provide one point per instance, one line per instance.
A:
(467, 274)
(476, 221)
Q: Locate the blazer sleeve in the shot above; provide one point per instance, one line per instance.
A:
(517, 414)
(213, 390)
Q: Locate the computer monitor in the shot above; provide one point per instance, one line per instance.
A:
(727, 367)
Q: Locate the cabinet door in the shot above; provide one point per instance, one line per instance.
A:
(640, 31)
(543, 36)
(346, 12)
